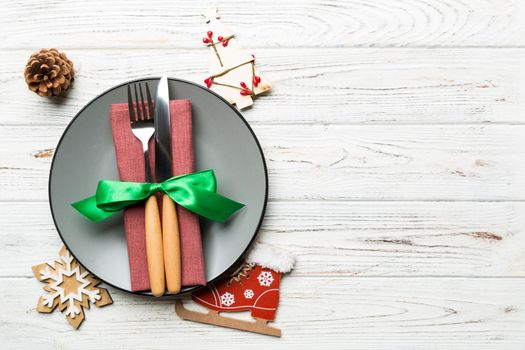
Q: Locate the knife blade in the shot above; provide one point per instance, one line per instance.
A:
(163, 171)
(162, 131)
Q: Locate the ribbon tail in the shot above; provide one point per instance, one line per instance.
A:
(88, 208)
(210, 205)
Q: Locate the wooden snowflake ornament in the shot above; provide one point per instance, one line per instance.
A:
(232, 72)
(70, 287)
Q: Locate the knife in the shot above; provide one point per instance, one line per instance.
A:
(163, 171)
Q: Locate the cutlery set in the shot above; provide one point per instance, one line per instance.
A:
(162, 232)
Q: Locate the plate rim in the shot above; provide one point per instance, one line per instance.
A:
(187, 290)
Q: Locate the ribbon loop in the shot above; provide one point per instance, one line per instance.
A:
(195, 192)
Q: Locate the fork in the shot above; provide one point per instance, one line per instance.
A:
(142, 126)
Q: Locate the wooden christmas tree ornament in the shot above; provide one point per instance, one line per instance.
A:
(70, 287)
(232, 72)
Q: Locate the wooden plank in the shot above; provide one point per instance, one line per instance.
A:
(337, 162)
(395, 162)
(321, 313)
(168, 24)
(400, 238)
(346, 86)
(415, 239)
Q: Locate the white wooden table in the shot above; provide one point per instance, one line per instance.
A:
(395, 142)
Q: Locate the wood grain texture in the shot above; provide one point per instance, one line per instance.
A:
(394, 139)
(296, 23)
(363, 239)
(171, 245)
(343, 86)
(336, 162)
(154, 247)
(341, 313)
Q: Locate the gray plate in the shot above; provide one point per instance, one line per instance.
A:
(223, 142)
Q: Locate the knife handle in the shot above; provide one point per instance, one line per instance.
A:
(154, 247)
(171, 239)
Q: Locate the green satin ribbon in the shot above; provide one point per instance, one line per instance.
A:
(195, 192)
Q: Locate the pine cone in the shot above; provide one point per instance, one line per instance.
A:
(49, 72)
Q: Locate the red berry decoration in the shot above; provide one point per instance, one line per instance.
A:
(205, 40)
(220, 38)
(253, 56)
(208, 82)
(245, 91)
(225, 43)
(210, 34)
(256, 80)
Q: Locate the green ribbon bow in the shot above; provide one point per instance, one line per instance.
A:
(195, 192)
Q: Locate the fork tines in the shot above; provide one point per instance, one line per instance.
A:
(143, 113)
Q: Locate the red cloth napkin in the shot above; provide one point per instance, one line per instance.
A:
(130, 164)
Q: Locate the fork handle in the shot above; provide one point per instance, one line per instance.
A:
(154, 247)
(171, 240)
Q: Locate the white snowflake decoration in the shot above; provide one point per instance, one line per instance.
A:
(265, 278)
(248, 293)
(57, 278)
(70, 287)
(227, 299)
